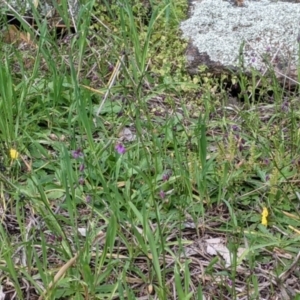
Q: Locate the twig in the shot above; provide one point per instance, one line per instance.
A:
(111, 82)
(284, 275)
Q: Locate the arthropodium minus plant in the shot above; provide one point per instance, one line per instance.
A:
(120, 148)
(88, 198)
(81, 180)
(166, 175)
(235, 128)
(285, 106)
(162, 194)
(77, 153)
(81, 167)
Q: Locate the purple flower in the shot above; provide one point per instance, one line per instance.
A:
(285, 106)
(53, 238)
(162, 194)
(110, 67)
(241, 144)
(81, 180)
(77, 153)
(235, 128)
(120, 148)
(81, 168)
(88, 198)
(166, 176)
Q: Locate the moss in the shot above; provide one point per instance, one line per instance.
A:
(166, 52)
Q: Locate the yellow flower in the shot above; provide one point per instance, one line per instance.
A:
(14, 154)
(264, 216)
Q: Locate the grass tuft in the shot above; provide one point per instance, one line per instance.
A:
(121, 177)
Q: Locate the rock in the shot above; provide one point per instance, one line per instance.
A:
(225, 35)
(23, 7)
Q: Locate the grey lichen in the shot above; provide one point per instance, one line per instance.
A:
(264, 27)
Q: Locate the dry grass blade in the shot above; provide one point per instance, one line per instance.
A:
(111, 82)
(92, 90)
(59, 275)
(66, 266)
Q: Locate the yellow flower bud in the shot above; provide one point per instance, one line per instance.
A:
(14, 154)
(264, 216)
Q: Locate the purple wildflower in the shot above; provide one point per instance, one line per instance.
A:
(77, 153)
(285, 106)
(88, 198)
(51, 238)
(81, 180)
(81, 168)
(162, 194)
(166, 176)
(110, 67)
(241, 144)
(235, 128)
(120, 148)
(95, 78)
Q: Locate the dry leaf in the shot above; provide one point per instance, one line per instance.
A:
(216, 247)
(126, 135)
(2, 295)
(82, 231)
(13, 36)
(53, 137)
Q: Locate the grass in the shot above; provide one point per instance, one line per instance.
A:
(132, 180)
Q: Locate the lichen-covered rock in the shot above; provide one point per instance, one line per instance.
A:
(258, 34)
(23, 7)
